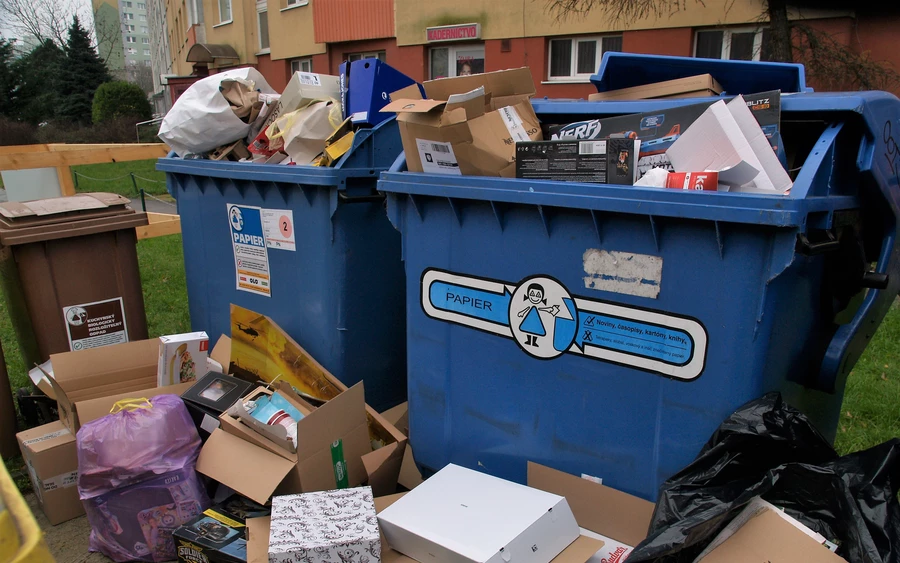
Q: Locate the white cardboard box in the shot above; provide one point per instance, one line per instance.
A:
(328, 526)
(464, 516)
(182, 358)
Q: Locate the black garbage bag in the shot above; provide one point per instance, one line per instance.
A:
(769, 449)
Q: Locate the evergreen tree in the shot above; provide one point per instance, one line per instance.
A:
(37, 94)
(80, 77)
(7, 78)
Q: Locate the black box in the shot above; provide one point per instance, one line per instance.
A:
(212, 395)
(219, 534)
(598, 161)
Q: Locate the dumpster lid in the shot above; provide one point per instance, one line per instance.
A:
(624, 70)
(69, 216)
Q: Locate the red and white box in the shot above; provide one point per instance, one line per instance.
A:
(702, 181)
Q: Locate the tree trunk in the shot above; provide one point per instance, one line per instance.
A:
(780, 45)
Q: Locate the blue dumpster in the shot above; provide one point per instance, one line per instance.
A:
(608, 330)
(329, 270)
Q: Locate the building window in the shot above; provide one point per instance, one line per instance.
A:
(224, 11)
(141, 6)
(292, 3)
(262, 19)
(145, 40)
(131, 51)
(142, 17)
(380, 55)
(126, 4)
(146, 52)
(129, 16)
(579, 57)
(301, 65)
(130, 39)
(130, 27)
(144, 29)
(741, 44)
(456, 61)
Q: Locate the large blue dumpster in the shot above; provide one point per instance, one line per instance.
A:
(329, 270)
(608, 330)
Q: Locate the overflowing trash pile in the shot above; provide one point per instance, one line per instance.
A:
(238, 445)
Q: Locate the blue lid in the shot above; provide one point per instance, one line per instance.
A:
(624, 70)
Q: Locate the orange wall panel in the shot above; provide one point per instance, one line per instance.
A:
(337, 21)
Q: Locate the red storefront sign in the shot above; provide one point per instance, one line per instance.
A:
(462, 32)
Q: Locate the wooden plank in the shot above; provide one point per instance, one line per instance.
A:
(161, 224)
(75, 156)
(66, 183)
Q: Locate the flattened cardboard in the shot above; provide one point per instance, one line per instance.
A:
(769, 538)
(49, 452)
(258, 539)
(410, 476)
(221, 353)
(689, 87)
(248, 469)
(98, 408)
(101, 372)
(596, 507)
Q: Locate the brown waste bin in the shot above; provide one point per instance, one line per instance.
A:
(70, 273)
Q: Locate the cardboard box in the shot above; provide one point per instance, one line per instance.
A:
(762, 532)
(219, 534)
(182, 357)
(303, 88)
(220, 355)
(690, 87)
(274, 431)
(210, 396)
(410, 476)
(327, 526)
(599, 161)
(261, 350)
(462, 516)
(87, 383)
(468, 125)
(258, 466)
(52, 460)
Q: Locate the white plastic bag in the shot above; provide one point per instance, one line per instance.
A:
(302, 133)
(202, 119)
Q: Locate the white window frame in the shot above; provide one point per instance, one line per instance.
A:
(145, 40)
(451, 55)
(573, 63)
(223, 21)
(142, 6)
(142, 17)
(146, 52)
(291, 4)
(262, 7)
(299, 65)
(367, 55)
(726, 40)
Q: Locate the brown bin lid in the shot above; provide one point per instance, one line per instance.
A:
(63, 217)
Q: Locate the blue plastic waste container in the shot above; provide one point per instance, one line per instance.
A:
(310, 247)
(608, 330)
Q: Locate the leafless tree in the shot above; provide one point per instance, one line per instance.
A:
(50, 20)
(829, 61)
(141, 74)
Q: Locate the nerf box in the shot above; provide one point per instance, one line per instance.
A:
(219, 534)
(600, 161)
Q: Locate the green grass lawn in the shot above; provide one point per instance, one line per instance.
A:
(116, 177)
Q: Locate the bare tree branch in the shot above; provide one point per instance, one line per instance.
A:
(621, 11)
(835, 66)
(43, 19)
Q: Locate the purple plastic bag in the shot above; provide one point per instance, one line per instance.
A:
(137, 481)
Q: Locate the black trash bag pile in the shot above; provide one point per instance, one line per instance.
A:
(769, 449)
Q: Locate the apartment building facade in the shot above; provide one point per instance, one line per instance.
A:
(123, 36)
(431, 39)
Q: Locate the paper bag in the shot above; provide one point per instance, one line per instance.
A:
(203, 119)
(302, 133)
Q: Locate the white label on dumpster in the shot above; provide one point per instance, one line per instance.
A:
(251, 257)
(437, 158)
(546, 321)
(278, 225)
(623, 272)
(91, 325)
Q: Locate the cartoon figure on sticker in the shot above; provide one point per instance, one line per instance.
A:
(545, 326)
